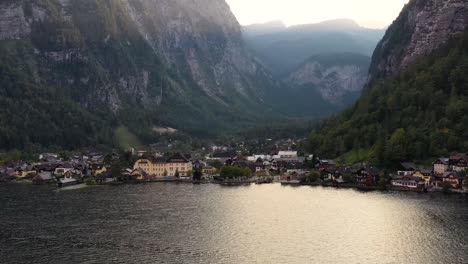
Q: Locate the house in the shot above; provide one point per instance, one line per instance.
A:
(6, 177)
(294, 178)
(367, 177)
(287, 156)
(440, 166)
(454, 178)
(24, 170)
(407, 168)
(408, 182)
(223, 156)
(209, 170)
(97, 168)
(423, 174)
(74, 173)
(338, 182)
(139, 174)
(43, 178)
(106, 177)
(67, 181)
(63, 168)
(46, 167)
(327, 165)
(48, 157)
(458, 163)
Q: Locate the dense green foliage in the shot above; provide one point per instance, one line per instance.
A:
(420, 115)
(231, 172)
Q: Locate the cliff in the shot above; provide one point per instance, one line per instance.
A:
(334, 76)
(134, 63)
(422, 27)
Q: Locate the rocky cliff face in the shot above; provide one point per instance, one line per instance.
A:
(174, 62)
(204, 35)
(422, 27)
(334, 76)
(198, 38)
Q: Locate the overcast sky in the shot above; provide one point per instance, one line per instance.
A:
(368, 13)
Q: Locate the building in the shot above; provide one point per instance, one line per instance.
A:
(425, 175)
(97, 168)
(161, 167)
(440, 166)
(409, 182)
(326, 165)
(454, 178)
(407, 168)
(367, 177)
(287, 156)
(458, 163)
(178, 163)
(223, 156)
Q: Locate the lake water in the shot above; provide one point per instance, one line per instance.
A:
(183, 223)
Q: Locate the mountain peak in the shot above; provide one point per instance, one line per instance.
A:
(330, 25)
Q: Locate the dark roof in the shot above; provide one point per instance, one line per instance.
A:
(178, 158)
(411, 178)
(454, 173)
(443, 160)
(224, 155)
(409, 166)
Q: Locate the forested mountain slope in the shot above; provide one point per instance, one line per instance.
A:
(72, 71)
(416, 104)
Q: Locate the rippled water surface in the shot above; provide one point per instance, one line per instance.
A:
(171, 223)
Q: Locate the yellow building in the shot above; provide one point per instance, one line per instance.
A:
(97, 168)
(423, 174)
(158, 166)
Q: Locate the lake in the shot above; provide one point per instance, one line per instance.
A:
(184, 223)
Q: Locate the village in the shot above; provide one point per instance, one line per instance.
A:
(229, 167)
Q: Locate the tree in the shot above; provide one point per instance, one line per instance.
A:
(231, 172)
(396, 147)
(165, 173)
(446, 187)
(314, 176)
(177, 174)
(189, 173)
(116, 169)
(216, 164)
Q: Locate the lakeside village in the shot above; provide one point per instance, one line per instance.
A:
(229, 167)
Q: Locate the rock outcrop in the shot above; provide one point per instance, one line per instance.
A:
(422, 27)
(121, 42)
(334, 76)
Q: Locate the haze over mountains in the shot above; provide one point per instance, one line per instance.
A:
(325, 62)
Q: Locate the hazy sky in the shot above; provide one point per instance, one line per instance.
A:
(368, 13)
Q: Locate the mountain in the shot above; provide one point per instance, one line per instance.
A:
(415, 106)
(263, 29)
(339, 78)
(73, 71)
(283, 51)
(420, 30)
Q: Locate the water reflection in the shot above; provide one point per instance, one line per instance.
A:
(170, 223)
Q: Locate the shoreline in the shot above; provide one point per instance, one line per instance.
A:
(241, 183)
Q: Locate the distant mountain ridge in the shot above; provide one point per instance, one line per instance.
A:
(325, 62)
(284, 50)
